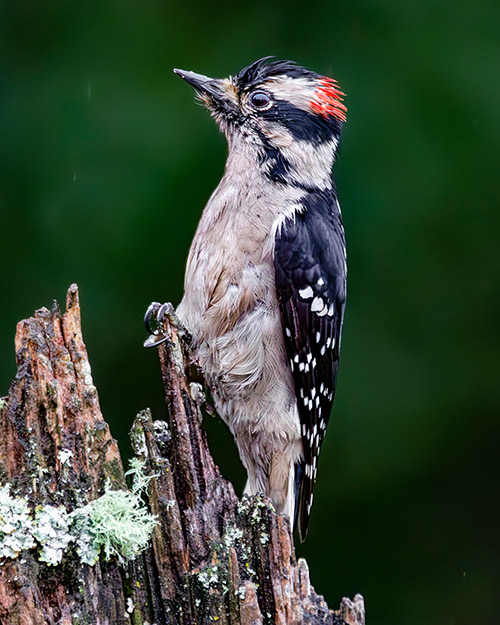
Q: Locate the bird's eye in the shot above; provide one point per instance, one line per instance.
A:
(260, 100)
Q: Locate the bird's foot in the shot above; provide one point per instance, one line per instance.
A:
(153, 320)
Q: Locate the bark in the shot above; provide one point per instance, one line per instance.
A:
(212, 557)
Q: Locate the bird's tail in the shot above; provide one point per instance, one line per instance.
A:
(303, 493)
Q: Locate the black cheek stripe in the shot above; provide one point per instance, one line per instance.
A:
(304, 126)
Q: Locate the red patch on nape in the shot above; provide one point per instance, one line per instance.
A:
(327, 100)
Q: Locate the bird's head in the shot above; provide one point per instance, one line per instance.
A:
(293, 116)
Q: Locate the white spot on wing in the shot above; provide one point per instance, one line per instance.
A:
(306, 293)
(309, 505)
(317, 304)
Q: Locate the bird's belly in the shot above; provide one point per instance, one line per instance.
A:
(240, 348)
(247, 371)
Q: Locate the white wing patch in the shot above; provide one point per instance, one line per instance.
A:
(306, 293)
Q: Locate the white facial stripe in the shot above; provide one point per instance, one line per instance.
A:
(311, 164)
(297, 91)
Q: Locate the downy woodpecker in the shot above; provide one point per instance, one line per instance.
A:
(265, 283)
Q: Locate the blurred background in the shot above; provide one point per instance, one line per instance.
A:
(106, 164)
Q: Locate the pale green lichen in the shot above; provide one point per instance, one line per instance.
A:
(65, 456)
(130, 605)
(138, 438)
(254, 504)
(209, 576)
(16, 524)
(51, 529)
(217, 574)
(232, 536)
(140, 481)
(117, 523)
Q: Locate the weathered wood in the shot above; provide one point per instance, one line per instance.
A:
(212, 558)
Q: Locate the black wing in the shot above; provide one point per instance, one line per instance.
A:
(310, 271)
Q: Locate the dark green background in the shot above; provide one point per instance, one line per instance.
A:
(105, 166)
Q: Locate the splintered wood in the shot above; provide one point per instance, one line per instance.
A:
(212, 557)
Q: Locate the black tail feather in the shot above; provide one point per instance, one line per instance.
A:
(303, 499)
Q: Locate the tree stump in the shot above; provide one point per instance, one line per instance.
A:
(212, 558)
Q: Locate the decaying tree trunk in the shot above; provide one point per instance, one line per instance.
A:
(211, 557)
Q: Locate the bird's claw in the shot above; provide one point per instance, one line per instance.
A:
(154, 340)
(155, 314)
(153, 320)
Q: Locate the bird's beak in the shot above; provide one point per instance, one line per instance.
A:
(202, 84)
(215, 94)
